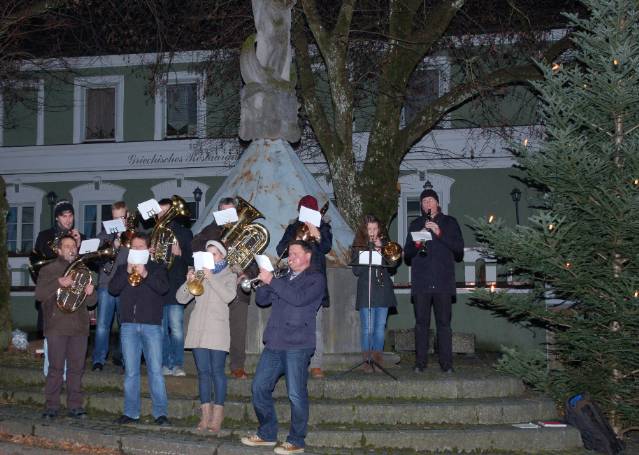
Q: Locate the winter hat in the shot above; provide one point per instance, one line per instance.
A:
(428, 193)
(309, 202)
(61, 207)
(217, 245)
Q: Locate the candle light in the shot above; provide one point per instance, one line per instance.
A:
(551, 227)
(615, 62)
(492, 287)
(568, 265)
(491, 218)
(555, 67)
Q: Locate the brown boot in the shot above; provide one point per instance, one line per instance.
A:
(206, 415)
(366, 367)
(216, 419)
(378, 357)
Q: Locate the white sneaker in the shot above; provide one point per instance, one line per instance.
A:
(286, 448)
(177, 371)
(166, 371)
(255, 441)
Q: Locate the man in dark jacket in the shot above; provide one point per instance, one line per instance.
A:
(321, 244)
(433, 278)
(289, 340)
(173, 316)
(141, 332)
(66, 333)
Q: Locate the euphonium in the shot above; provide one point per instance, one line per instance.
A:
(196, 287)
(70, 299)
(392, 252)
(245, 239)
(162, 237)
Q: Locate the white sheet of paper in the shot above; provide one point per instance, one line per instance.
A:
(421, 236)
(114, 226)
(263, 262)
(376, 258)
(225, 216)
(203, 260)
(89, 246)
(148, 208)
(312, 216)
(138, 257)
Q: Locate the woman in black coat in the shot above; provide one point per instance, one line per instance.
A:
(382, 296)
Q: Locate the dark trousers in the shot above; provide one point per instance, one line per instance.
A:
(442, 306)
(73, 349)
(238, 312)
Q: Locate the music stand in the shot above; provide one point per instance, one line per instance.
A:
(369, 360)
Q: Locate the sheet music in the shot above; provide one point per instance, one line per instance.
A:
(138, 257)
(89, 246)
(263, 262)
(202, 260)
(148, 208)
(376, 258)
(225, 216)
(114, 226)
(421, 236)
(312, 216)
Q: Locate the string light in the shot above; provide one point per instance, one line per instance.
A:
(636, 182)
(615, 62)
(555, 67)
(637, 294)
(551, 227)
(491, 218)
(567, 265)
(526, 142)
(492, 287)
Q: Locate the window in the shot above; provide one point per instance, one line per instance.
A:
(20, 229)
(92, 217)
(181, 110)
(98, 109)
(180, 107)
(100, 114)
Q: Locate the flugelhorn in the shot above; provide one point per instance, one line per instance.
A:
(196, 287)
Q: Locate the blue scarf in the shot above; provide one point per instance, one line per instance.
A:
(219, 266)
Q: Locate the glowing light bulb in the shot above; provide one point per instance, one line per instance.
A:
(492, 287)
(555, 67)
(526, 142)
(551, 227)
(636, 182)
(491, 218)
(636, 294)
(615, 62)
(568, 265)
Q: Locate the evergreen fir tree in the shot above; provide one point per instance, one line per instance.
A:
(580, 252)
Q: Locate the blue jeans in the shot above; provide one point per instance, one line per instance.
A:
(173, 340)
(210, 372)
(373, 341)
(107, 308)
(138, 339)
(293, 364)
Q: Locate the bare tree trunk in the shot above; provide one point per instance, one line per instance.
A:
(5, 277)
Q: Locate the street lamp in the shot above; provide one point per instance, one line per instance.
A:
(52, 198)
(197, 196)
(515, 194)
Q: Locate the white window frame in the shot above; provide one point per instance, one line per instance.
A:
(39, 86)
(177, 78)
(441, 64)
(183, 188)
(411, 187)
(92, 194)
(80, 86)
(19, 195)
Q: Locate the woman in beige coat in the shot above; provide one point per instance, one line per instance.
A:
(208, 333)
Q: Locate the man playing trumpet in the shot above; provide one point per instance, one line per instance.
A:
(66, 333)
(141, 286)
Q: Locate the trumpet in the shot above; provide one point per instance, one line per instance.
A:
(134, 278)
(250, 284)
(196, 287)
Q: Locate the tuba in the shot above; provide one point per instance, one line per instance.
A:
(162, 237)
(70, 299)
(245, 238)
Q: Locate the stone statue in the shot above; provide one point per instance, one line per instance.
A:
(269, 103)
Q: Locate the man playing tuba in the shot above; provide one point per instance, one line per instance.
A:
(67, 334)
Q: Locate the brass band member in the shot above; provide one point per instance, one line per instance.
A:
(173, 312)
(45, 247)
(382, 296)
(66, 333)
(321, 244)
(238, 308)
(208, 334)
(107, 303)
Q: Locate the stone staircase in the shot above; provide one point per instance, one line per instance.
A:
(472, 410)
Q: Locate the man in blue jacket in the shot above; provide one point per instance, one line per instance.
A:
(433, 278)
(289, 340)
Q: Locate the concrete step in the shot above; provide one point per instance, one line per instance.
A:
(468, 382)
(335, 413)
(180, 439)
